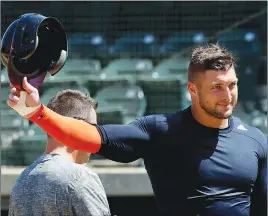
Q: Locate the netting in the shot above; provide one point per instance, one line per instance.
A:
(144, 46)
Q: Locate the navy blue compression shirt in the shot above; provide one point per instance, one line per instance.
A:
(195, 170)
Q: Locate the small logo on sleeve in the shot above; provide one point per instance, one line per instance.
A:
(241, 127)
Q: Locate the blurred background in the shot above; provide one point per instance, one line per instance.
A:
(132, 57)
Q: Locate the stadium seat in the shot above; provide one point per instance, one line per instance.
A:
(254, 117)
(30, 147)
(259, 120)
(110, 115)
(119, 71)
(75, 70)
(165, 95)
(5, 91)
(4, 77)
(262, 98)
(171, 67)
(117, 106)
(178, 41)
(85, 45)
(139, 44)
(165, 87)
(130, 98)
(246, 47)
(240, 112)
(127, 66)
(11, 156)
(12, 126)
(7, 136)
(81, 67)
(241, 42)
(10, 119)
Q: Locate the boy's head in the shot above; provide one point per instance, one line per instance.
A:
(75, 104)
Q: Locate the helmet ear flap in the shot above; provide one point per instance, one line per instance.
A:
(60, 46)
(60, 63)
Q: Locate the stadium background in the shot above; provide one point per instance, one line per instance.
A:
(132, 57)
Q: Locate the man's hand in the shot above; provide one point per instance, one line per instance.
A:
(27, 102)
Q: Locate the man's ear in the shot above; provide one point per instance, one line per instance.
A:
(191, 88)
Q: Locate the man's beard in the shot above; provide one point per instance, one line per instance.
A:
(216, 114)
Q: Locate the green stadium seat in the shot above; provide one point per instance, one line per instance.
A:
(60, 79)
(119, 71)
(83, 44)
(127, 66)
(26, 148)
(35, 130)
(240, 112)
(81, 67)
(5, 91)
(165, 88)
(32, 147)
(13, 126)
(78, 70)
(4, 77)
(171, 67)
(138, 44)
(29, 148)
(242, 42)
(10, 119)
(11, 156)
(246, 46)
(130, 98)
(179, 41)
(259, 120)
(110, 115)
(164, 95)
(8, 135)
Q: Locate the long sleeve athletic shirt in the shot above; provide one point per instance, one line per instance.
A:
(194, 170)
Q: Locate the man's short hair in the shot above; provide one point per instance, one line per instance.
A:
(73, 103)
(209, 57)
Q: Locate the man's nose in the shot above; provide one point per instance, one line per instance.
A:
(228, 95)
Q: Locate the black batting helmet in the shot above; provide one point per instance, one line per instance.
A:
(32, 46)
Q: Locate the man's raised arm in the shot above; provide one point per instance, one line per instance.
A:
(75, 134)
(122, 143)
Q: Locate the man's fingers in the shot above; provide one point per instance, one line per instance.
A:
(14, 98)
(11, 103)
(27, 86)
(14, 91)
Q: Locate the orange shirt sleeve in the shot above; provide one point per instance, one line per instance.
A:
(75, 134)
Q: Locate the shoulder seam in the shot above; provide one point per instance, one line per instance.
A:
(251, 138)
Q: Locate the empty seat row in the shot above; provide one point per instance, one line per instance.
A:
(88, 72)
(241, 41)
(121, 66)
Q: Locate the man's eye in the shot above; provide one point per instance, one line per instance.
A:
(232, 85)
(217, 87)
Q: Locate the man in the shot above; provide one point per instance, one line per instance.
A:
(201, 161)
(58, 183)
